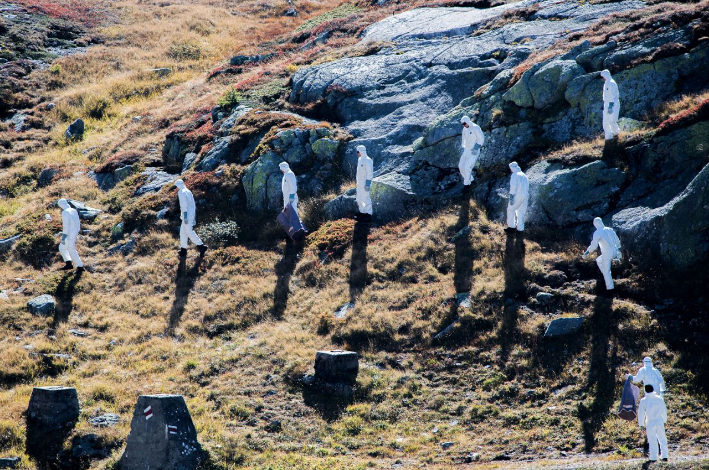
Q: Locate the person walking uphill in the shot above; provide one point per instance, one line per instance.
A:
(188, 215)
(606, 238)
(289, 186)
(652, 414)
(611, 105)
(648, 375)
(519, 196)
(70, 232)
(365, 174)
(473, 140)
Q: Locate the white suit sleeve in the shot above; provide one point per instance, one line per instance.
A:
(615, 94)
(75, 223)
(462, 140)
(191, 208)
(479, 136)
(66, 222)
(292, 183)
(663, 412)
(662, 382)
(594, 242)
(641, 413)
(369, 165)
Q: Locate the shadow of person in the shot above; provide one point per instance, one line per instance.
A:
(64, 295)
(515, 279)
(602, 327)
(284, 270)
(184, 283)
(327, 405)
(463, 262)
(358, 264)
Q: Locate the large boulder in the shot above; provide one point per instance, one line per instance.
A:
(548, 84)
(85, 212)
(75, 131)
(563, 196)
(155, 181)
(676, 233)
(217, 155)
(162, 436)
(312, 155)
(46, 176)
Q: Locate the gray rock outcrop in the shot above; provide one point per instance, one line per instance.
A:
(564, 326)
(75, 130)
(167, 440)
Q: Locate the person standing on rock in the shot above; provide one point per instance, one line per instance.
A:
(606, 238)
(289, 186)
(70, 232)
(473, 139)
(652, 415)
(365, 174)
(611, 105)
(188, 215)
(648, 375)
(519, 196)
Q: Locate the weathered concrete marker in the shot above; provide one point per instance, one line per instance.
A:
(53, 408)
(162, 436)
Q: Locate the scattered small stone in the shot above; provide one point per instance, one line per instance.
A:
(137, 118)
(463, 300)
(544, 298)
(447, 445)
(50, 106)
(472, 457)
(161, 72)
(464, 232)
(105, 420)
(343, 310)
(292, 12)
(76, 332)
(7, 243)
(447, 330)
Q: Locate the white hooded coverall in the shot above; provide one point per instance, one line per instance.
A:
(606, 238)
(70, 227)
(611, 106)
(652, 413)
(648, 375)
(188, 214)
(473, 139)
(519, 197)
(289, 186)
(365, 174)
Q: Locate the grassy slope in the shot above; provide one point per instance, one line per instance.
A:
(231, 332)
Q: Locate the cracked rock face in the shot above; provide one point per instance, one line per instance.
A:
(390, 99)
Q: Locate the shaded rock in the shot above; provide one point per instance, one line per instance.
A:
(675, 232)
(42, 305)
(8, 243)
(545, 298)
(89, 447)
(229, 122)
(462, 300)
(75, 130)
(190, 158)
(216, 155)
(564, 326)
(593, 58)
(249, 59)
(447, 330)
(555, 279)
(337, 366)
(10, 462)
(292, 12)
(85, 212)
(117, 232)
(274, 426)
(447, 445)
(161, 72)
(123, 248)
(342, 311)
(344, 205)
(155, 181)
(46, 176)
(152, 444)
(53, 408)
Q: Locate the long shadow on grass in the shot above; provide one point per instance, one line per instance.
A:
(184, 282)
(602, 327)
(64, 295)
(515, 277)
(358, 264)
(284, 270)
(463, 267)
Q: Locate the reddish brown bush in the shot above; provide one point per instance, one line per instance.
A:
(684, 119)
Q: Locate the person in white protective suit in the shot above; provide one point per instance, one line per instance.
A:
(365, 174)
(652, 414)
(289, 186)
(188, 215)
(611, 105)
(648, 375)
(70, 232)
(473, 140)
(519, 197)
(606, 238)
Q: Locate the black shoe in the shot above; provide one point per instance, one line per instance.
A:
(665, 459)
(365, 217)
(202, 249)
(357, 216)
(182, 251)
(80, 269)
(67, 266)
(510, 230)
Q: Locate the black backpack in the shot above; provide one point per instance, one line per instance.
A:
(628, 409)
